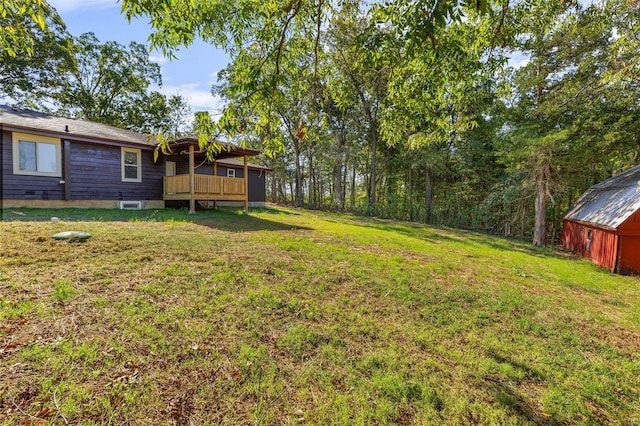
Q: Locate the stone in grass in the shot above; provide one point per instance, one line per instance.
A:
(72, 236)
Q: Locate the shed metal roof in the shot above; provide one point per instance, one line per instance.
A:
(22, 120)
(609, 203)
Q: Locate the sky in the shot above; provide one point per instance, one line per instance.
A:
(191, 75)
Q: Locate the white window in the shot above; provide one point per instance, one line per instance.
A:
(170, 168)
(231, 173)
(131, 165)
(36, 155)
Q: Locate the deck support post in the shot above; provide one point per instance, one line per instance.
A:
(246, 186)
(215, 174)
(192, 202)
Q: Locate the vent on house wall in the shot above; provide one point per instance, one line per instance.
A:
(130, 205)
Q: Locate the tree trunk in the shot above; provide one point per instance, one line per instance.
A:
(410, 184)
(540, 229)
(311, 179)
(542, 179)
(353, 188)
(344, 180)
(338, 191)
(372, 190)
(291, 190)
(428, 195)
(298, 199)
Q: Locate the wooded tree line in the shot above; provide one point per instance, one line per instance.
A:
(410, 109)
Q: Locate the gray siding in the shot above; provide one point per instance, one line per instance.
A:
(257, 186)
(26, 187)
(94, 173)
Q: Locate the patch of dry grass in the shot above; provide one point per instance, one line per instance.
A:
(287, 317)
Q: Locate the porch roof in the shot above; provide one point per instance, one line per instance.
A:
(228, 150)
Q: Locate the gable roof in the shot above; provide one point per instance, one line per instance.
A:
(23, 120)
(609, 203)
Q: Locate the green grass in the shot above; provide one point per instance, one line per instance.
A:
(297, 317)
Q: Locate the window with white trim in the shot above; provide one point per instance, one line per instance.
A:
(131, 165)
(36, 155)
(231, 173)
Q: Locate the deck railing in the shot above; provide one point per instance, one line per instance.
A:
(204, 184)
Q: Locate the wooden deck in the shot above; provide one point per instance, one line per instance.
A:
(195, 187)
(205, 187)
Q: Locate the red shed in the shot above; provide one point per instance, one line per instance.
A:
(604, 223)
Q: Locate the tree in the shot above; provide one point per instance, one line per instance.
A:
(101, 82)
(268, 28)
(107, 80)
(37, 50)
(561, 123)
(22, 24)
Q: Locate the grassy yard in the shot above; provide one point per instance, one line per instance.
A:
(296, 317)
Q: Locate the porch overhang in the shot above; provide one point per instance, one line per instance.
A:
(195, 187)
(226, 150)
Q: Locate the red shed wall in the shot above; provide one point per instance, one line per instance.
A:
(629, 256)
(603, 247)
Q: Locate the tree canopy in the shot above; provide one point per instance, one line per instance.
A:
(84, 78)
(405, 109)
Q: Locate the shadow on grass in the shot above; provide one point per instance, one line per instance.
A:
(223, 219)
(507, 395)
(247, 223)
(408, 229)
(432, 233)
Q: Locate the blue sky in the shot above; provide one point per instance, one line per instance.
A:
(191, 75)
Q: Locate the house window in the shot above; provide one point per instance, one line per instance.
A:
(231, 173)
(36, 155)
(131, 165)
(170, 168)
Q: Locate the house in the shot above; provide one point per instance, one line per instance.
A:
(49, 161)
(604, 223)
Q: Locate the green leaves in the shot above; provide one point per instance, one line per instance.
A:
(22, 22)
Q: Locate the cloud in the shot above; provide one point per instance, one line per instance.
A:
(518, 61)
(198, 96)
(69, 5)
(158, 59)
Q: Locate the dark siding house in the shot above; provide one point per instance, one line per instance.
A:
(49, 161)
(604, 223)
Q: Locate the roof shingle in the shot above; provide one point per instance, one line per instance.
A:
(25, 120)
